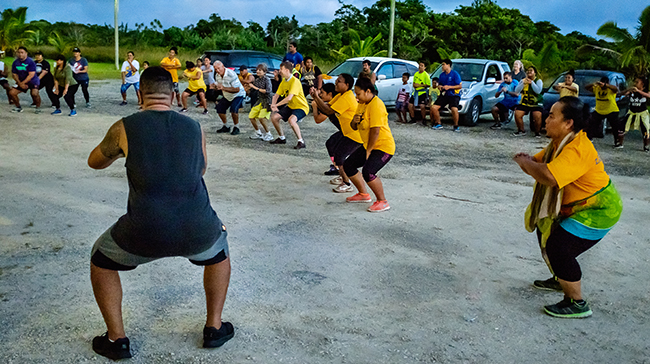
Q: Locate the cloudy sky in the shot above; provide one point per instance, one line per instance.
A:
(582, 15)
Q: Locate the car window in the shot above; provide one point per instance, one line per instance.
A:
(411, 69)
(386, 69)
(468, 71)
(275, 63)
(350, 67)
(493, 72)
(399, 69)
(254, 61)
(222, 57)
(237, 59)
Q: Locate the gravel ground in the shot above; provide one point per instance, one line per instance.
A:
(443, 277)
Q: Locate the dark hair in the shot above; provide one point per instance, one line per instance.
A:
(406, 74)
(436, 79)
(643, 79)
(287, 65)
(293, 43)
(366, 62)
(208, 57)
(242, 67)
(189, 64)
(60, 57)
(422, 63)
(348, 79)
(365, 84)
(507, 73)
(329, 88)
(131, 53)
(156, 80)
(23, 48)
(145, 62)
(571, 73)
(308, 59)
(447, 61)
(574, 109)
(604, 79)
(534, 68)
(174, 49)
(38, 53)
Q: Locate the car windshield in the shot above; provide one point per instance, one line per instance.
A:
(581, 80)
(351, 67)
(468, 71)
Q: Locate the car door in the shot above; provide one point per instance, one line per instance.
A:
(490, 86)
(386, 83)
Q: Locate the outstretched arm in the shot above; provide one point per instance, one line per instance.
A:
(110, 149)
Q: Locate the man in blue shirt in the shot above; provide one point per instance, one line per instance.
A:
(23, 70)
(449, 85)
(510, 100)
(293, 56)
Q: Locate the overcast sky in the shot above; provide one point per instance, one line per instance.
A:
(582, 15)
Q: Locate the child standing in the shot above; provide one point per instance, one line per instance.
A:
(261, 110)
(638, 116)
(402, 103)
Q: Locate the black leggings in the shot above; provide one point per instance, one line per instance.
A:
(69, 97)
(562, 248)
(84, 89)
(332, 142)
(48, 89)
(375, 162)
(344, 149)
(595, 129)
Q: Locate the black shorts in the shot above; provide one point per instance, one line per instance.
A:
(371, 166)
(192, 93)
(451, 100)
(3, 83)
(211, 95)
(332, 142)
(344, 149)
(422, 99)
(528, 109)
(504, 108)
(286, 112)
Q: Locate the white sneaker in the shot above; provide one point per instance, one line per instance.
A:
(267, 137)
(256, 136)
(343, 188)
(336, 180)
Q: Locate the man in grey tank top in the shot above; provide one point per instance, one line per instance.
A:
(169, 212)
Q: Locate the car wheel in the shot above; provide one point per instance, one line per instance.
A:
(473, 113)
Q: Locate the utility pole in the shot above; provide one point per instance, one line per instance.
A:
(392, 28)
(117, 36)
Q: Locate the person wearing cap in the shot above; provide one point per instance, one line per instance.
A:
(23, 70)
(3, 76)
(44, 73)
(79, 67)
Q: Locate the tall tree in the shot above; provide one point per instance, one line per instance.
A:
(13, 29)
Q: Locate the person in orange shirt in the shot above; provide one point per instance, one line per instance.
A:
(172, 65)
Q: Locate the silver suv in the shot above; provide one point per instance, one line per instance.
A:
(479, 78)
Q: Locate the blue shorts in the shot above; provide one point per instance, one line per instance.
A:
(127, 85)
(234, 105)
(286, 112)
(401, 105)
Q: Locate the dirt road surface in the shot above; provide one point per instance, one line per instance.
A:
(443, 277)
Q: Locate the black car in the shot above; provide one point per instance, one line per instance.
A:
(234, 59)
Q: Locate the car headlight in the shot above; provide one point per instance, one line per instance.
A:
(464, 91)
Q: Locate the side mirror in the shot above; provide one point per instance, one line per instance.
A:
(491, 80)
(381, 77)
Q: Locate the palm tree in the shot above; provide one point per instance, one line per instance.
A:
(13, 30)
(634, 50)
(61, 44)
(360, 47)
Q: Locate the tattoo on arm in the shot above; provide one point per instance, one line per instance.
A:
(110, 146)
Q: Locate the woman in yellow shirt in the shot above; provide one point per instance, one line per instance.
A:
(568, 87)
(196, 86)
(378, 146)
(574, 203)
(606, 108)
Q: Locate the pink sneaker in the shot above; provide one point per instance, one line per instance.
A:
(379, 206)
(359, 197)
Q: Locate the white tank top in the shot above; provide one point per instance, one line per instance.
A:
(2, 68)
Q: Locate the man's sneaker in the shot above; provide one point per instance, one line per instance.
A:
(205, 112)
(17, 109)
(550, 284)
(56, 112)
(437, 127)
(456, 129)
(256, 136)
(359, 197)
(73, 112)
(300, 145)
(213, 338)
(279, 141)
(519, 133)
(123, 103)
(379, 206)
(496, 126)
(333, 171)
(183, 110)
(224, 129)
(88, 105)
(343, 187)
(618, 146)
(568, 308)
(37, 110)
(538, 135)
(336, 181)
(235, 131)
(267, 137)
(119, 349)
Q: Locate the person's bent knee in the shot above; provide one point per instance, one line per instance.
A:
(367, 176)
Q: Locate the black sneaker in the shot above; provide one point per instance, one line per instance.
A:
(496, 126)
(278, 141)
(213, 338)
(224, 129)
(332, 172)
(123, 103)
(550, 284)
(300, 145)
(519, 133)
(235, 130)
(568, 308)
(120, 349)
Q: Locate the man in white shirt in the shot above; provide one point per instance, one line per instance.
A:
(130, 76)
(227, 82)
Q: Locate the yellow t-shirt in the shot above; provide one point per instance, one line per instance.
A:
(294, 87)
(171, 63)
(345, 105)
(195, 85)
(423, 79)
(375, 115)
(565, 92)
(605, 100)
(578, 169)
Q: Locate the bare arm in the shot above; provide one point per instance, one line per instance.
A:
(318, 116)
(285, 101)
(110, 149)
(590, 87)
(325, 108)
(373, 135)
(538, 170)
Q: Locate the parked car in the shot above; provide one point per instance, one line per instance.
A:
(388, 70)
(234, 59)
(583, 78)
(479, 79)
